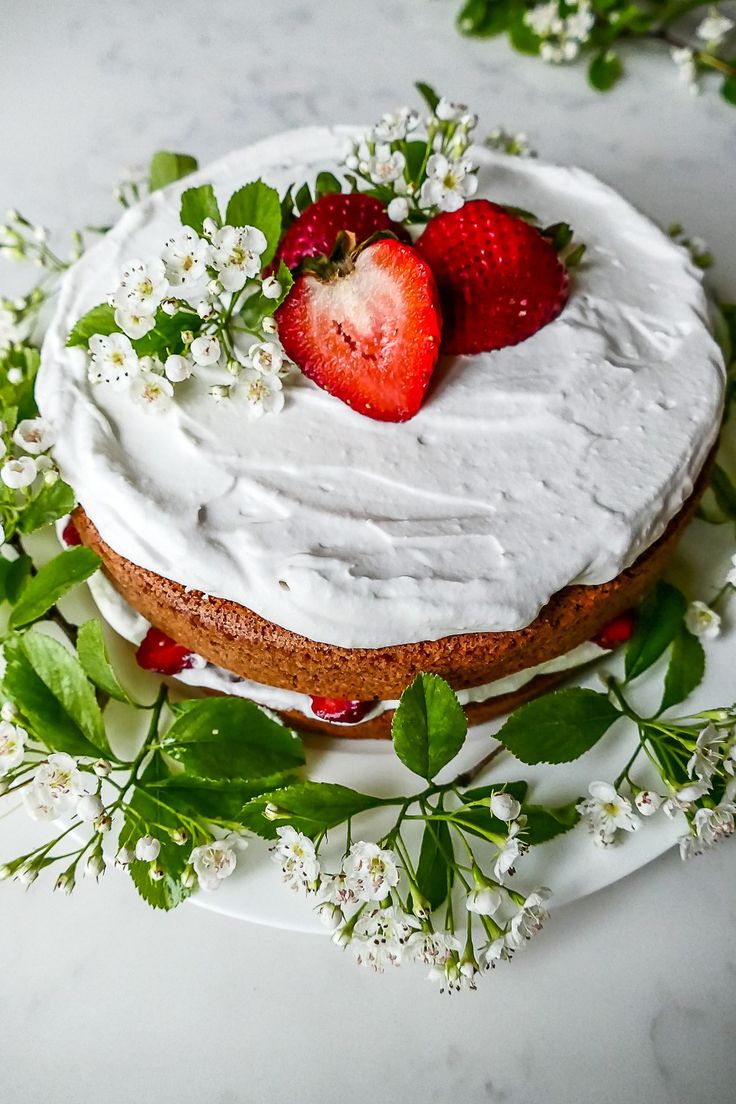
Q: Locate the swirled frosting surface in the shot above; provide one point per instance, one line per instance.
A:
(556, 461)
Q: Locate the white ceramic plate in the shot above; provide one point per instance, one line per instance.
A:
(572, 866)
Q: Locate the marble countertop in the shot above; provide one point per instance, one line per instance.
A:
(627, 995)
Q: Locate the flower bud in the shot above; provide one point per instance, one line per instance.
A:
(330, 915)
(271, 288)
(272, 812)
(8, 711)
(102, 768)
(90, 807)
(342, 937)
(268, 325)
(27, 875)
(187, 337)
(64, 883)
(209, 227)
(156, 872)
(95, 866)
(147, 849)
(103, 823)
(125, 856)
(180, 836)
(504, 806)
(170, 307)
(483, 900)
(189, 878)
(6, 871)
(647, 802)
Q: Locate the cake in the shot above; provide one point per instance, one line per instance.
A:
(498, 537)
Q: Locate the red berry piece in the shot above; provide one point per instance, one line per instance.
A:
(314, 233)
(158, 652)
(499, 280)
(366, 328)
(70, 535)
(617, 632)
(340, 709)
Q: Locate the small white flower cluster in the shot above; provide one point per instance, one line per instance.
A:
(33, 437)
(213, 862)
(202, 277)
(22, 240)
(362, 903)
(517, 145)
(703, 621)
(562, 36)
(606, 812)
(714, 28)
(59, 788)
(448, 172)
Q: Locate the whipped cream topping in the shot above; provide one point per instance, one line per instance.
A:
(552, 462)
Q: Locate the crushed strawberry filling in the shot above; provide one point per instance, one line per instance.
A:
(158, 652)
(70, 534)
(617, 632)
(340, 709)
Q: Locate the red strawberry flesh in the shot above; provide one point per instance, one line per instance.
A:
(315, 232)
(499, 280)
(158, 652)
(340, 709)
(616, 632)
(70, 535)
(370, 337)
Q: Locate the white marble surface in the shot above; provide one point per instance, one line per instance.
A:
(627, 995)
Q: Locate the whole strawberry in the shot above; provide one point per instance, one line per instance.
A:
(499, 280)
(365, 326)
(315, 232)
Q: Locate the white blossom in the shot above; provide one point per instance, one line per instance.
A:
(185, 258)
(267, 357)
(134, 322)
(398, 209)
(271, 288)
(34, 435)
(205, 350)
(435, 949)
(372, 869)
(152, 391)
(647, 802)
(380, 937)
(15, 376)
(448, 184)
(681, 801)
(529, 919)
(706, 756)
(55, 789)
(504, 805)
(339, 889)
(449, 112)
(215, 861)
(702, 621)
(114, 360)
(147, 849)
(19, 472)
(90, 807)
(484, 900)
(514, 848)
(385, 167)
(714, 28)
(712, 825)
(687, 70)
(178, 368)
(563, 36)
(394, 126)
(142, 287)
(498, 950)
(297, 858)
(236, 254)
(515, 144)
(605, 811)
(262, 393)
(12, 746)
(125, 856)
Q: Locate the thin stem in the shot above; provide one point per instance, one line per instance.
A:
(467, 776)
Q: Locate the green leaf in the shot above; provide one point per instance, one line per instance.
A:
(51, 582)
(428, 94)
(434, 872)
(257, 204)
(231, 739)
(258, 306)
(429, 726)
(216, 801)
(521, 36)
(168, 167)
(605, 70)
(99, 320)
(728, 90)
(658, 621)
(326, 184)
(16, 577)
(41, 708)
(198, 204)
(311, 807)
(95, 661)
(685, 671)
(144, 816)
(303, 198)
(165, 337)
(484, 18)
(558, 727)
(483, 793)
(63, 675)
(544, 823)
(50, 504)
(414, 152)
(575, 256)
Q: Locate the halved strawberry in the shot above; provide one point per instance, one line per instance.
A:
(340, 709)
(366, 328)
(158, 652)
(499, 280)
(315, 232)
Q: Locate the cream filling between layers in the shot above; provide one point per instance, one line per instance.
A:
(133, 627)
(556, 461)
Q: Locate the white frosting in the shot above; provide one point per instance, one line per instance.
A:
(552, 462)
(132, 627)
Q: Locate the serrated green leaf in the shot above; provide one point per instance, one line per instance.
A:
(50, 504)
(605, 70)
(165, 337)
(257, 204)
(310, 807)
(429, 726)
(685, 670)
(99, 320)
(544, 823)
(43, 711)
(51, 582)
(658, 621)
(95, 661)
(558, 727)
(216, 800)
(428, 94)
(231, 739)
(63, 676)
(434, 873)
(145, 816)
(167, 167)
(198, 204)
